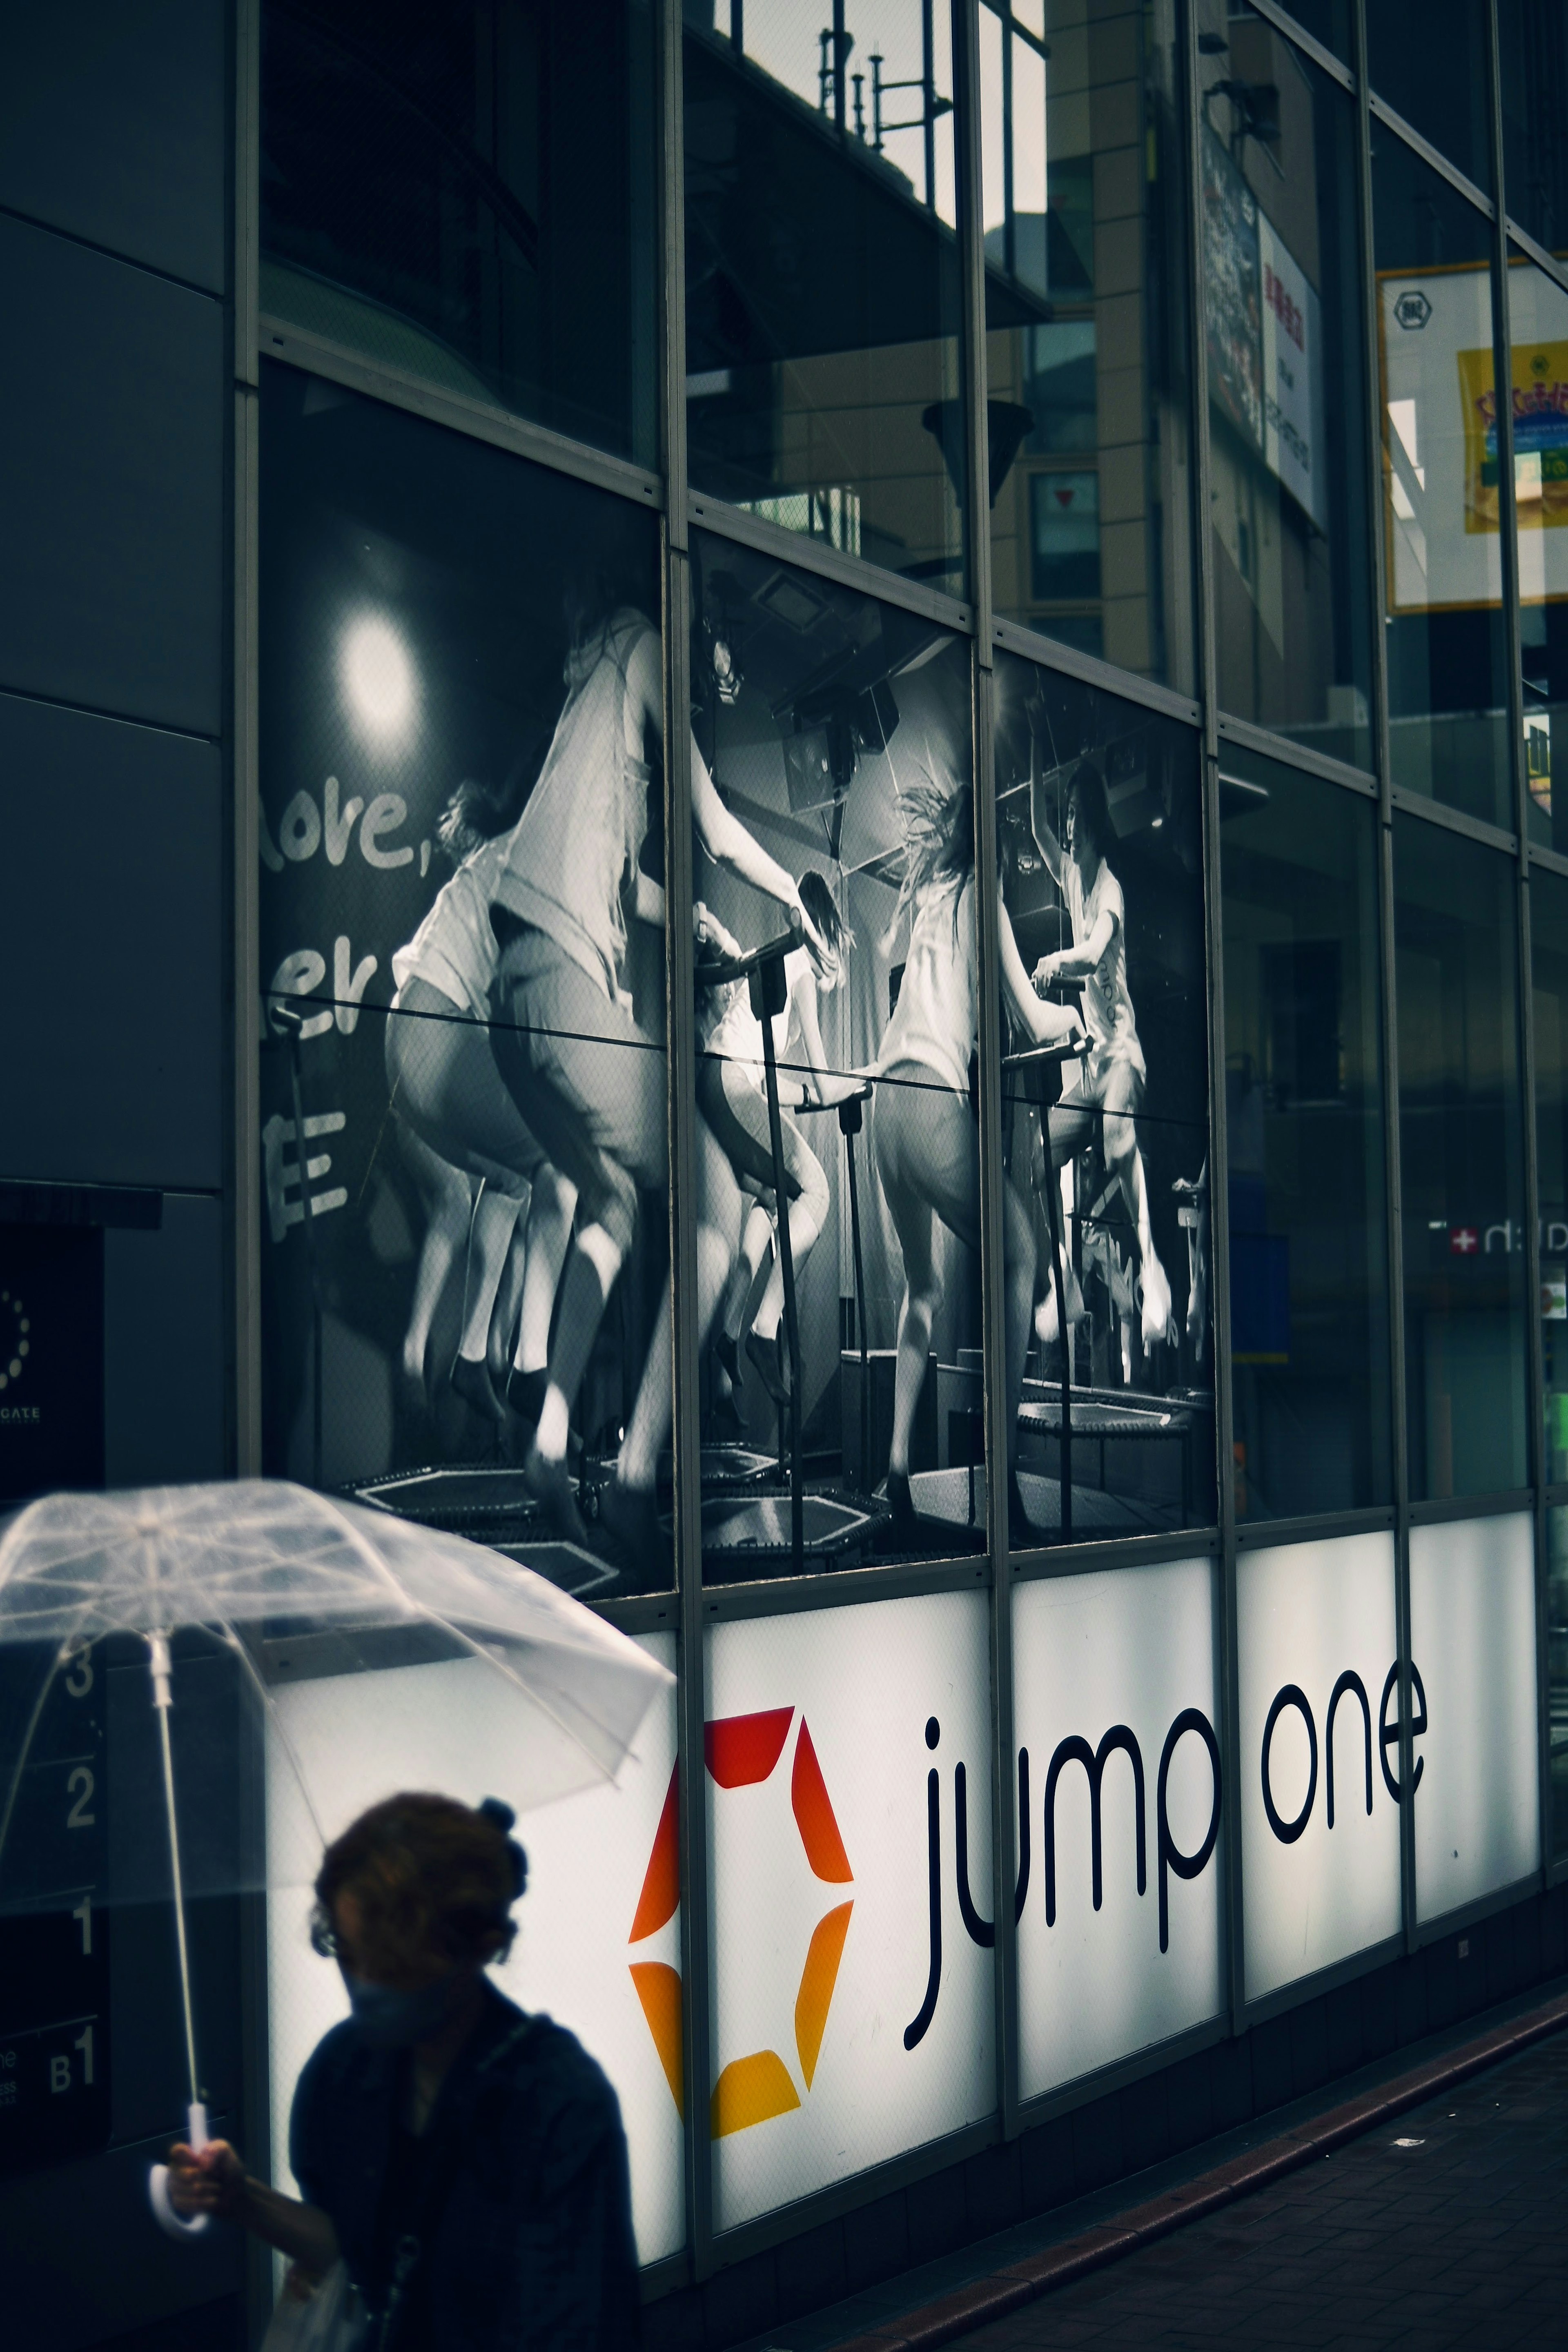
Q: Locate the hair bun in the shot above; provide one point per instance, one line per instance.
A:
(502, 1817)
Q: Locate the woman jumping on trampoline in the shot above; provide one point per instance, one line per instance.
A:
(1108, 1094)
(732, 1095)
(447, 1092)
(588, 1081)
(924, 1134)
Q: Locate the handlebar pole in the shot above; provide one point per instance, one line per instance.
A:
(1064, 1328)
(861, 1318)
(786, 1265)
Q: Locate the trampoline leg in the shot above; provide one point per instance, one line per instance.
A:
(859, 1304)
(1064, 1330)
(786, 1260)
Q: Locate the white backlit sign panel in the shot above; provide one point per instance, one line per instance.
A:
(1472, 1642)
(850, 1810)
(1120, 1939)
(1319, 1821)
(598, 1942)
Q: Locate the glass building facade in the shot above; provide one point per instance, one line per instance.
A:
(902, 1002)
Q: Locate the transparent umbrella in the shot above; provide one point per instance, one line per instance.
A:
(212, 1627)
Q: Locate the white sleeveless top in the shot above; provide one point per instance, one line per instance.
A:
(934, 1020)
(1108, 1014)
(453, 949)
(737, 1034)
(569, 856)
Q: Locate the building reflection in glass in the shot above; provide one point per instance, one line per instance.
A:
(1086, 353)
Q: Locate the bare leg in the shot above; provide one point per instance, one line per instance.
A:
(1195, 1213)
(756, 1241)
(490, 1244)
(1126, 1161)
(915, 1224)
(446, 1194)
(550, 1216)
(591, 1273)
(804, 1229)
(509, 1298)
(1045, 1316)
(627, 1505)
(1018, 1289)
(638, 1465)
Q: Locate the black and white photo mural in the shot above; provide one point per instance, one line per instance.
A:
(1105, 1109)
(837, 1075)
(464, 1089)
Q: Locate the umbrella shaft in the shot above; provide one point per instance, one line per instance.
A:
(163, 1713)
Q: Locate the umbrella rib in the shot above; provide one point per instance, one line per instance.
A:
(16, 1527)
(274, 1716)
(478, 1648)
(378, 1567)
(535, 1698)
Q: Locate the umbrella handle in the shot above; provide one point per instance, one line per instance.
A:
(176, 2225)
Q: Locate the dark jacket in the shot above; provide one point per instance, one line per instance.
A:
(531, 2247)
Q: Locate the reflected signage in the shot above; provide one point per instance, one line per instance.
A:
(1262, 315)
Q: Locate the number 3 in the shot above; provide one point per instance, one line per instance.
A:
(79, 1681)
(77, 1818)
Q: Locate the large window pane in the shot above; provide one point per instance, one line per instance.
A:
(1538, 331)
(1557, 1653)
(1429, 60)
(1549, 971)
(1532, 40)
(823, 382)
(1328, 21)
(1461, 1162)
(1105, 1111)
(463, 953)
(837, 731)
(1287, 389)
(1086, 341)
(1447, 659)
(466, 190)
(1309, 1263)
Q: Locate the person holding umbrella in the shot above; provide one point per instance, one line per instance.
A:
(465, 2161)
(462, 2164)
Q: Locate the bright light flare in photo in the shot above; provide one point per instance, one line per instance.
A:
(378, 677)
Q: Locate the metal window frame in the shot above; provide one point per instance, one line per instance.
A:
(689, 1610)
(1307, 43)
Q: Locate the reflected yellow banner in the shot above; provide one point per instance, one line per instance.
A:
(1540, 437)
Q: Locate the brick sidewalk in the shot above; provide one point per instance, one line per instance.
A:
(1461, 2238)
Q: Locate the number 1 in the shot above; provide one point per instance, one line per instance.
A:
(84, 1913)
(84, 2043)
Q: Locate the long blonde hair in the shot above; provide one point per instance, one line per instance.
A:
(938, 837)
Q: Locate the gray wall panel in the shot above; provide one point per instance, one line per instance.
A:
(110, 951)
(112, 482)
(163, 1351)
(112, 126)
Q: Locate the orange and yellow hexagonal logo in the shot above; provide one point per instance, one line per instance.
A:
(740, 1751)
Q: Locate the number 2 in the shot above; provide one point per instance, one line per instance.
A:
(78, 1817)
